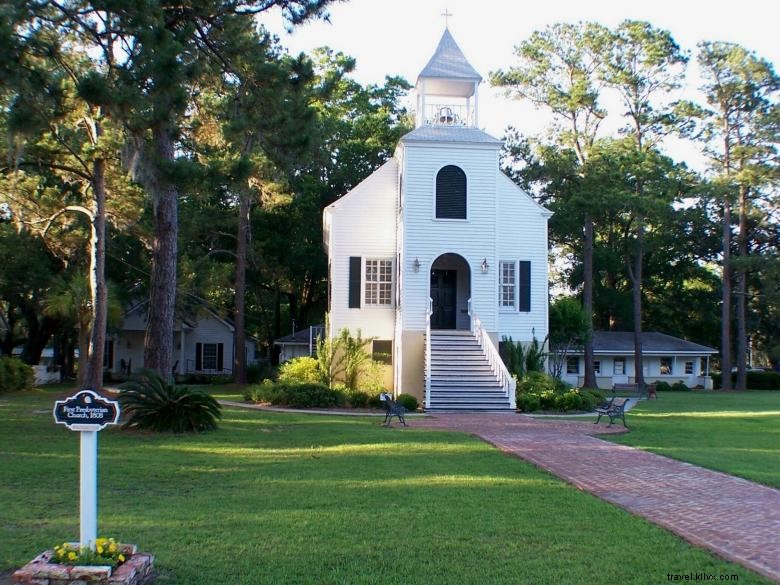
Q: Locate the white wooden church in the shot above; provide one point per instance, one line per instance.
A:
(438, 255)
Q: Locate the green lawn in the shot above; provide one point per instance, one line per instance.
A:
(276, 498)
(735, 432)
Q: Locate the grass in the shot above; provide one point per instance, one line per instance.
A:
(282, 498)
(734, 432)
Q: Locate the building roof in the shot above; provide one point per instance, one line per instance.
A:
(463, 134)
(448, 62)
(653, 342)
(300, 337)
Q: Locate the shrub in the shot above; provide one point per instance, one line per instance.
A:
(528, 402)
(15, 375)
(151, 403)
(591, 398)
(663, 387)
(755, 380)
(680, 387)
(539, 382)
(407, 401)
(256, 372)
(356, 398)
(541, 391)
(375, 401)
(520, 359)
(301, 370)
(297, 395)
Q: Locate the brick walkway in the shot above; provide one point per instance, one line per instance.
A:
(733, 517)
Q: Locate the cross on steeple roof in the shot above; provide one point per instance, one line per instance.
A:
(446, 14)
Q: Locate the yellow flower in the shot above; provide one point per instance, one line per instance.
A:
(122, 558)
(100, 550)
(112, 547)
(72, 556)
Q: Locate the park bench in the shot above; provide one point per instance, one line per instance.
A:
(630, 390)
(392, 408)
(615, 408)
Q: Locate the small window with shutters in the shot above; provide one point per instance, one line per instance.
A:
(451, 193)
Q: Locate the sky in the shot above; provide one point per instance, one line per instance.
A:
(397, 37)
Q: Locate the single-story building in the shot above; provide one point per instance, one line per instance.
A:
(299, 343)
(203, 344)
(665, 359)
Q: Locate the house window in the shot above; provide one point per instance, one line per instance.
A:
(689, 367)
(451, 193)
(514, 285)
(507, 285)
(666, 366)
(382, 351)
(573, 365)
(209, 356)
(597, 366)
(619, 366)
(379, 282)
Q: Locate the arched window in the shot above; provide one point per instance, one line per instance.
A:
(451, 193)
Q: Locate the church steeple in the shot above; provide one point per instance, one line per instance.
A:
(446, 86)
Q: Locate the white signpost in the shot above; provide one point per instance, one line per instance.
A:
(88, 413)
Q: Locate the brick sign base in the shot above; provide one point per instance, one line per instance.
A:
(136, 570)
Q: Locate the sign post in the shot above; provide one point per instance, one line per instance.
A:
(88, 413)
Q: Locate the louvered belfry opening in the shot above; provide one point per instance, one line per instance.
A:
(451, 193)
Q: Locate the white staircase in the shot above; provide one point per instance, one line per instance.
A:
(461, 375)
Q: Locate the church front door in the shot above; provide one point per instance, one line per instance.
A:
(444, 296)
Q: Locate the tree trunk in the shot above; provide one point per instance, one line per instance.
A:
(84, 337)
(240, 315)
(725, 314)
(38, 335)
(741, 316)
(93, 376)
(636, 295)
(158, 342)
(587, 302)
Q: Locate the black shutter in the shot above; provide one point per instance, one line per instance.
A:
(354, 281)
(451, 193)
(524, 302)
(220, 356)
(198, 356)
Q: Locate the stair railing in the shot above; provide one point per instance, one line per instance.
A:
(506, 379)
(428, 313)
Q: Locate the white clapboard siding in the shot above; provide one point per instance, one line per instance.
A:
(426, 238)
(362, 223)
(522, 235)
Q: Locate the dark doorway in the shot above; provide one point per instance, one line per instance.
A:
(444, 296)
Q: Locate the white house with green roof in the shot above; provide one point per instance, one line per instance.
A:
(437, 254)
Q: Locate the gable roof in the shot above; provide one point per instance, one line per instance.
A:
(300, 337)
(448, 62)
(653, 342)
(462, 134)
(544, 211)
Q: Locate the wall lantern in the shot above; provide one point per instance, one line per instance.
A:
(484, 265)
(416, 265)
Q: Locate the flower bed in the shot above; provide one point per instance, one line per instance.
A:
(44, 570)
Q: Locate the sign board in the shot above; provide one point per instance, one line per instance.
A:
(86, 411)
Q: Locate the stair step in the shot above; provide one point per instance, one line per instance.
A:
(447, 395)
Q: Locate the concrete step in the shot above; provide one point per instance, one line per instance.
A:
(456, 383)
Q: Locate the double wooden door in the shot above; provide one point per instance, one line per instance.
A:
(444, 296)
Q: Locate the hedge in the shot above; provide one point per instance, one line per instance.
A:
(15, 374)
(755, 380)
